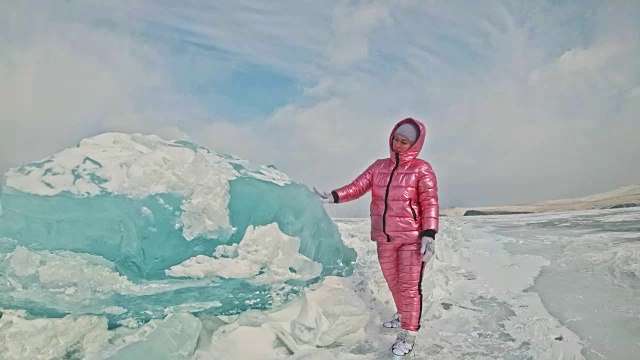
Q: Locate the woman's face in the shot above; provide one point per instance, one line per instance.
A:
(400, 144)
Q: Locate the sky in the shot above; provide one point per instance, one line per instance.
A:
(523, 100)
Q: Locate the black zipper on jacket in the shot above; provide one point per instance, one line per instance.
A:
(386, 199)
(413, 212)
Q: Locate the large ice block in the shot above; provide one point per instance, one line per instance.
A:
(134, 227)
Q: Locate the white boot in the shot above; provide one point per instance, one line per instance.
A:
(404, 343)
(394, 323)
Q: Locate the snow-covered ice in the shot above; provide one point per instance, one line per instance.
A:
(592, 281)
(545, 286)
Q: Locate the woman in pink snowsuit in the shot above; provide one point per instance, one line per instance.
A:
(404, 221)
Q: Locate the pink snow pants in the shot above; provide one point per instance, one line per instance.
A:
(403, 268)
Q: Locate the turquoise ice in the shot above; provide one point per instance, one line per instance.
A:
(134, 227)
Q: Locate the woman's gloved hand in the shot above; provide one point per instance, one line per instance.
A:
(428, 248)
(325, 197)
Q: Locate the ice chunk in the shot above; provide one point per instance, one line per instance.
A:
(132, 227)
(172, 338)
(329, 313)
(70, 337)
(244, 342)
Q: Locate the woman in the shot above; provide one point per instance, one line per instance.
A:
(404, 222)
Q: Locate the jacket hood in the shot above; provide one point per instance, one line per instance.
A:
(415, 149)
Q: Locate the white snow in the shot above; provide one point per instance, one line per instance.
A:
(629, 194)
(475, 303)
(142, 165)
(329, 313)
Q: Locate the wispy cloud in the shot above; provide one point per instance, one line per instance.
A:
(523, 101)
(63, 80)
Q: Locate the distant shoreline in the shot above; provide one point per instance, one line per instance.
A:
(623, 197)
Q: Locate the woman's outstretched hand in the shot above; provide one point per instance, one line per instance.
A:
(325, 197)
(428, 248)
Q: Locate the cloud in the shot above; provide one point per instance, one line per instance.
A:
(524, 101)
(62, 81)
(558, 133)
(352, 27)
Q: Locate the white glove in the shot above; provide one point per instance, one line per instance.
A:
(428, 248)
(325, 197)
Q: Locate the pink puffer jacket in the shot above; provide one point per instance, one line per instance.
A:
(404, 193)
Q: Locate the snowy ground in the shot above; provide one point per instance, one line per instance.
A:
(544, 286)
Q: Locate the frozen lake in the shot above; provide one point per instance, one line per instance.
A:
(517, 287)
(592, 282)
